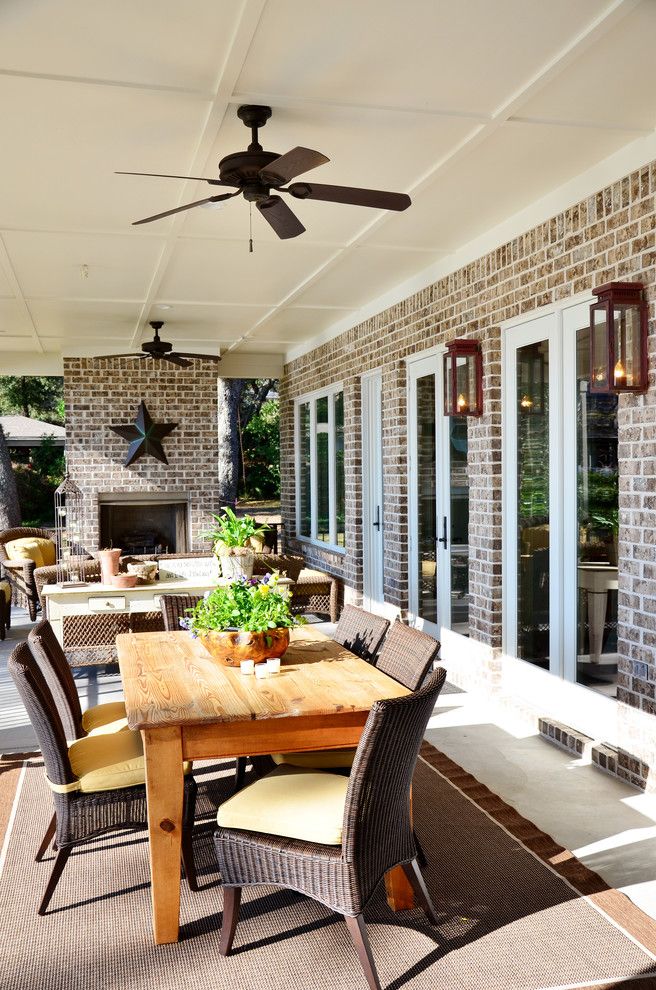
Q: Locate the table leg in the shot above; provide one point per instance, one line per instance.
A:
(165, 795)
(400, 895)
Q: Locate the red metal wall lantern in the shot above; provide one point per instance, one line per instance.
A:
(463, 378)
(618, 338)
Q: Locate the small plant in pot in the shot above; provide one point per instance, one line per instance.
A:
(231, 539)
(248, 619)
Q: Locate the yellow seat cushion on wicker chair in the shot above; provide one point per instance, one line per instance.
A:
(317, 759)
(107, 762)
(36, 548)
(108, 717)
(300, 804)
(5, 589)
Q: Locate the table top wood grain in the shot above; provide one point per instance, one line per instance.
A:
(170, 679)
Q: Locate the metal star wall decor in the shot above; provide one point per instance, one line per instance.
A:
(144, 436)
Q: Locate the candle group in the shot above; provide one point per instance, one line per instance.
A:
(272, 666)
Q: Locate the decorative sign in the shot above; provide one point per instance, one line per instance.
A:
(144, 436)
(189, 569)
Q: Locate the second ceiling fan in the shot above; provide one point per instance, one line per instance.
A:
(260, 175)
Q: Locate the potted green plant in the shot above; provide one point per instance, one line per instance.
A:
(247, 619)
(231, 540)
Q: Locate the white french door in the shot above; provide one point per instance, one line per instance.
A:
(438, 503)
(560, 511)
(372, 492)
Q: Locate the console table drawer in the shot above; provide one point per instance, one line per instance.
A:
(111, 603)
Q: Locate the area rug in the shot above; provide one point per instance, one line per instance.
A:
(516, 911)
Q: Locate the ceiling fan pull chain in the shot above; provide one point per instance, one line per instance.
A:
(250, 222)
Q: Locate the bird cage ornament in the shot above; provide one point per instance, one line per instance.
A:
(71, 558)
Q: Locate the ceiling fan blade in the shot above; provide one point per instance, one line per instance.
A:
(280, 217)
(174, 359)
(191, 178)
(294, 163)
(202, 357)
(133, 355)
(376, 198)
(187, 206)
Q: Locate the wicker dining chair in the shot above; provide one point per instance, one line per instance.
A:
(361, 632)
(56, 670)
(407, 655)
(89, 804)
(174, 608)
(368, 812)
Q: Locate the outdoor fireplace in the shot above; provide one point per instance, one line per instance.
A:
(146, 525)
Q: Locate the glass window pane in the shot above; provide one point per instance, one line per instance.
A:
(597, 516)
(459, 512)
(340, 486)
(323, 468)
(533, 503)
(426, 498)
(304, 479)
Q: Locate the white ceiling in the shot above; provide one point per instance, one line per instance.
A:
(477, 109)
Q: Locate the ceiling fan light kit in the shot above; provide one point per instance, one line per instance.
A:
(259, 176)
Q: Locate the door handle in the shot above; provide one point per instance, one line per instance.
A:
(376, 522)
(443, 538)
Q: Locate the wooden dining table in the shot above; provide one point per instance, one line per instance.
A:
(189, 707)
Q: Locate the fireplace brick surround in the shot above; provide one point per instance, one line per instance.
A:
(98, 393)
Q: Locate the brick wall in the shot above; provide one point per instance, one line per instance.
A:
(99, 393)
(608, 236)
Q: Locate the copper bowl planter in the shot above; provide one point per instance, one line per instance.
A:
(231, 646)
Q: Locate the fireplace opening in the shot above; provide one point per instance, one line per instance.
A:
(144, 527)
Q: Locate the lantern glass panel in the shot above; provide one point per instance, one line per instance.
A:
(626, 349)
(465, 384)
(599, 349)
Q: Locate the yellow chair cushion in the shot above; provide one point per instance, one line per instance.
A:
(100, 719)
(320, 759)
(301, 804)
(107, 762)
(36, 548)
(5, 589)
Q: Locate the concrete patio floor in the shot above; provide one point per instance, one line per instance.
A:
(608, 825)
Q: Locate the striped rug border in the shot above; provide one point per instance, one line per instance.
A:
(617, 906)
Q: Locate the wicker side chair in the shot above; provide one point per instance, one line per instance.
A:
(82, 813)
(46, 650)
(174, 608)
(407, 655)
(361, 632)
(20, 573)
(376, 828)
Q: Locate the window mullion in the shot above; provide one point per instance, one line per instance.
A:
(332, 523)
(314, 500)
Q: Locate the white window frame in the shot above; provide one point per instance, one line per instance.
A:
(311, 398)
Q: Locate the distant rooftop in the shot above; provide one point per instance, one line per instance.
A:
(23, 431)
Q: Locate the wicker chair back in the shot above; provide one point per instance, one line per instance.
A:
(377, 832)
(57, 673)
(407, 655)
(174, 608)
(42, 712)
(361, 632)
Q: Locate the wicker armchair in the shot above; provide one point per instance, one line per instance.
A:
(81, 815)
(361, 632)
(376, 829)
(20, 573)
(407, 655)
(5, 607)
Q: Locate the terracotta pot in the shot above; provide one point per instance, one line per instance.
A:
(123, 580)
(108, 564)
(231, 646)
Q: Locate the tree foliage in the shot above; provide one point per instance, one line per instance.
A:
(261, 451)
(40, 396)
(10, 515)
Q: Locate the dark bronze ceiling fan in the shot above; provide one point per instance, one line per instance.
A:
(160, 350)
(259, 175)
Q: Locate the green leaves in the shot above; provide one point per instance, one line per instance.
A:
(232, 530)
(254, 606)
